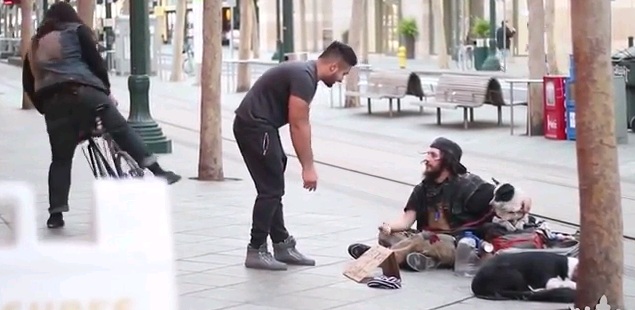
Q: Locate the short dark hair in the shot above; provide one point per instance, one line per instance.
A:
(340, 50)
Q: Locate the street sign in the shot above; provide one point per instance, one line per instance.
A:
(128, 265)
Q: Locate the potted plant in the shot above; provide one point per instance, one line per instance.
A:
(480, 32)
(408, 30)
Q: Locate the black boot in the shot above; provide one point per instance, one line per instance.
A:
(261, 258)
(56, 220)
(286, 252)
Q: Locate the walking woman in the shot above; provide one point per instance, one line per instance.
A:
(67, 81)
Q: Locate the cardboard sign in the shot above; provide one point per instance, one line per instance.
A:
(129, 265)
(378, 256)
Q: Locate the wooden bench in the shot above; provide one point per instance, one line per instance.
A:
(460, 91)
(391, 85)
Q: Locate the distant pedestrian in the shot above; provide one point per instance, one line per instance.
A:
(504, 36)
(281, 96)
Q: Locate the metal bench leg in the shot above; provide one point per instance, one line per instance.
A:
(465, 120)
(398, 105)
(420, 107)
(389, 107)
(511, 119)
(368, 103)
(500, 115)
(438, 116)
(472, 115)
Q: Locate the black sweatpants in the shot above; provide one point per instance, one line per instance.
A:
(266, 161)
(71, 111)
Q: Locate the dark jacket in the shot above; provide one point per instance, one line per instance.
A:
(65, 55)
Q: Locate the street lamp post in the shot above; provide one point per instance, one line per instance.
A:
(287, 26)
(278, 54)
(139, 82)
(492, 63)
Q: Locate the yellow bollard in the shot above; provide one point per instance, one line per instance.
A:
(401, 57)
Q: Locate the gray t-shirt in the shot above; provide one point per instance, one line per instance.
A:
(267, 102)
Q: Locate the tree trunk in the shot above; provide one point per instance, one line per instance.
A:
(210, 157)
(536, 63)
(177, 42)
(355, 41)
(316, 26)
(365, 35)
(26, 25)
(439, 34)
(255, 34)
(601, 225)
(550, 21)
(86, 11)
(243, 76)
(303, 35)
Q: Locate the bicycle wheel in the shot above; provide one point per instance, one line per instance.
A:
(98, 162)
(126, 166)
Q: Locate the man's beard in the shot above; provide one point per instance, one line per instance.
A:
(432, 173)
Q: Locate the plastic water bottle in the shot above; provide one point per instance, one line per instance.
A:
(466, 259)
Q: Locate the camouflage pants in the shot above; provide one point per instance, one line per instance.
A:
(411, 241)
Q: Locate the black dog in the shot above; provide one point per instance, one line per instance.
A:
(532, 276)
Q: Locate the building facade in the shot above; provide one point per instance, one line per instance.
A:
(327, 20)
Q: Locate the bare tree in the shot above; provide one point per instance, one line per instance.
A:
(255, 40)
(365, 34)
(550, 21)
(355, 41)
(243, 77)
(439, 34)
(303, 26)
(601, 268)
(177, 42)
(536, 63)
(86, 11)
(26, 31)
(210, 157)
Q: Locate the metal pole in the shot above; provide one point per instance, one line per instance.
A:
(504, 37)
(278, 54)
(108, 33)
(139, 82)
(232, 70)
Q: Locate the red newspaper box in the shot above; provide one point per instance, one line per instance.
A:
(554, 107)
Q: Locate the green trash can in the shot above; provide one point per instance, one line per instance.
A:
(624, 64)
(480, 54)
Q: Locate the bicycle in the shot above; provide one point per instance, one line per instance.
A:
(108, 160)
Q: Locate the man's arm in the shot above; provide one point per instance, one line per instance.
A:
(409, 215)
(91, 56)
(302, 89)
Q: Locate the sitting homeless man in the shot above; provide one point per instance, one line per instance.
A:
(446, 203)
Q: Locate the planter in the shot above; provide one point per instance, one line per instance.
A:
(480, 54)
(481, 42)
(409, 44)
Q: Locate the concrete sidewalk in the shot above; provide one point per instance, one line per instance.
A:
(211, 220)
(211, 225)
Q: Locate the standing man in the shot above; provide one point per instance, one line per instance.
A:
(504, 36)
(281, 96)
